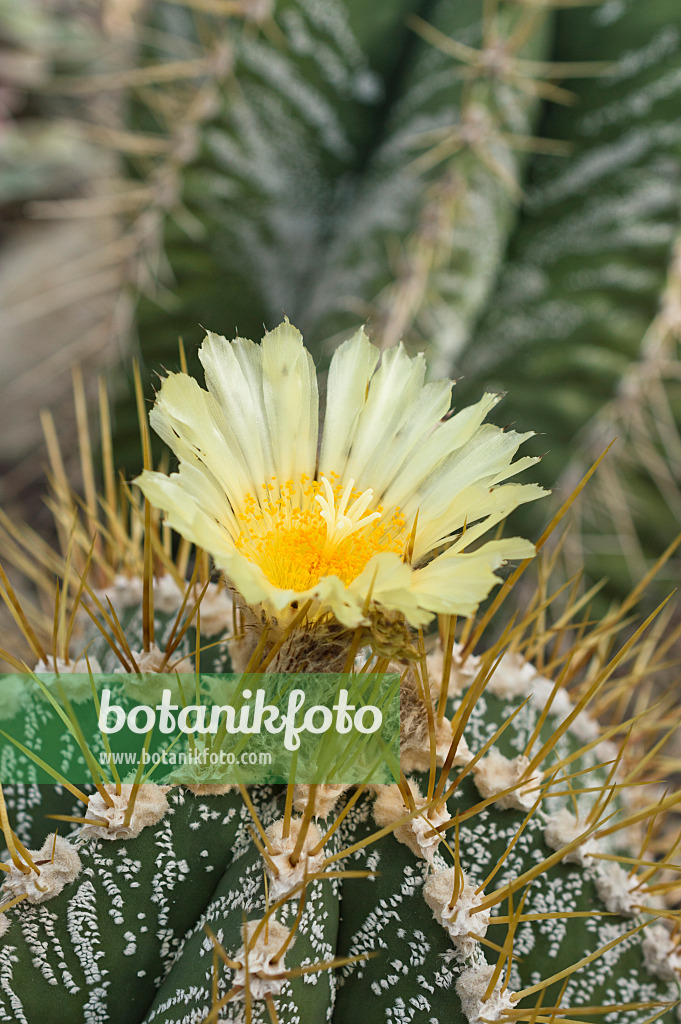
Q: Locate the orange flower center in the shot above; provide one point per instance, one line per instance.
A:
(299, 533)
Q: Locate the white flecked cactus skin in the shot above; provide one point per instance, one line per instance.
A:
(523, 870)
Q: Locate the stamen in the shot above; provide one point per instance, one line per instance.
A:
(300, 533)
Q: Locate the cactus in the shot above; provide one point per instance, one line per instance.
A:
(586, 302)
(38, 157)
(522, 868)
(61, 279)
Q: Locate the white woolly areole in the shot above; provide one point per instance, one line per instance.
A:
(150, 806)
(471, 987)
(389, 807)
(614, 887)
(54, 874)
(512, 677)
(124, 592)
(263, 970)
(457, 920)
(280, 852)
(660, 954)
(77, 667)
(168, 596)
(326, 798)
(77, 691)
(417, 758)
(215, 609)
(152, 661)
(4, 924)
(561, 705)
(605, 751)
(562, 828)
(586, 729)
(461, 674)
(495, 773)
(516, 677)
(415, 834)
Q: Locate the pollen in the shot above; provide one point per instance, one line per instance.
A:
(300, 532)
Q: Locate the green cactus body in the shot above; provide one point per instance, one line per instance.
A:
(571, 330)
(125, 939)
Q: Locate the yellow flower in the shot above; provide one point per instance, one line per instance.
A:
(391, 509)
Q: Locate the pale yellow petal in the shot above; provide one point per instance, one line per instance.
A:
(519, 466)
(291, 402)
(445, 438)
(388, 581)
(486, 455)
(332, 594)
(393, 391)
(350, 371)
(185, 513)
(373, 423)
(187, 504)
(192, 423)
(479, 507)
(234, 376)
(455, 584)
(412, 439)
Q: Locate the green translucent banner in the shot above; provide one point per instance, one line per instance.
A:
(211, 729)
